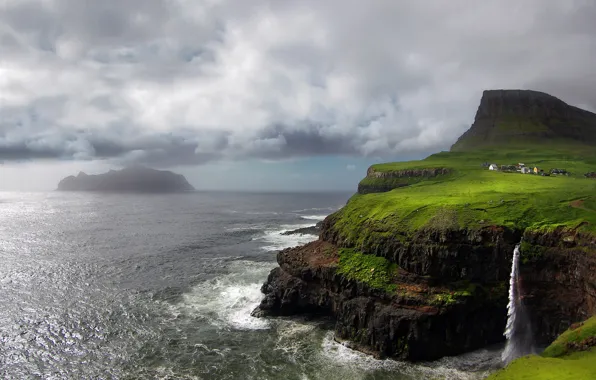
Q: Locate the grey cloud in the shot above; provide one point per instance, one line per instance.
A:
(181, 82)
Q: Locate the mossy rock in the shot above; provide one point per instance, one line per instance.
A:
(376, 272)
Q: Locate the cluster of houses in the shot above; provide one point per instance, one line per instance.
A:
(522, 168)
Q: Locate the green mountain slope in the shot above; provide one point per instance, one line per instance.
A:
(523, 117)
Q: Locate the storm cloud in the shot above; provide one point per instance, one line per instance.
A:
(180, 82)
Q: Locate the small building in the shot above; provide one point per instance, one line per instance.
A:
(559, 172)
(493, 167)
(525, 170)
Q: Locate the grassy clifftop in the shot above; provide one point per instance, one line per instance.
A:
(471, 196)
(571, 357)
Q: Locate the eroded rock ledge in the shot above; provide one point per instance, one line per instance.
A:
(381, 181)
(418, 320)
(447, 296)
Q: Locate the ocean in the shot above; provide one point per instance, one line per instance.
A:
(112, 286)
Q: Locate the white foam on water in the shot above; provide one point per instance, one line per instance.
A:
(252, 227)
(292, 336)
(275, 241)
(228, 300)
(164, 373)
(313, 217)
(317, 209)
(343, 356)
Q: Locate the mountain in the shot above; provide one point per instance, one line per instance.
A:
(134, 179)
(526, 117)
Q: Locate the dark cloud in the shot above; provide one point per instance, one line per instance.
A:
(182, 82)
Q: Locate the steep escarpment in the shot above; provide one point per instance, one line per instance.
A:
(416, 264)
(559, 279)
(526, 117)
(131, 179)
(383, 311)
(378, 181)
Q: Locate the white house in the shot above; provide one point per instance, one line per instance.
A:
(526, 170)
(493, 167)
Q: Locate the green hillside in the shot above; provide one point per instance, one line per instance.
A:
(472, 196)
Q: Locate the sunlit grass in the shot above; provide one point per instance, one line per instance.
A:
(479, 197)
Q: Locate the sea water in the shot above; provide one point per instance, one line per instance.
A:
(162, 286)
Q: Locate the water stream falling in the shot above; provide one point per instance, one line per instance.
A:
(518, 330)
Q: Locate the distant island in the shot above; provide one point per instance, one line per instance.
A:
(135, 179)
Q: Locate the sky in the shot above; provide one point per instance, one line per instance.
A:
(268, 94)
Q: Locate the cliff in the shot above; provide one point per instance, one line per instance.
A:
(416, 265)
(132, 179)
(524, 117)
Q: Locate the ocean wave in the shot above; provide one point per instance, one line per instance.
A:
(316, 209)
(227, 301)
(275, 241)
(313, 217)
(445, 369)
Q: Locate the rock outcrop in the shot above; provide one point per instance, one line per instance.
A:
(133, 179)
(429, 315)
(311, 230)
(377, 181)
(419, 321)
(525, 116)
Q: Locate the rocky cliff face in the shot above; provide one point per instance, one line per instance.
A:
(559, 280)
(512, 116)
(478, 255)
(133, 179)
(428, 315)
(382, 181)
(419, 321)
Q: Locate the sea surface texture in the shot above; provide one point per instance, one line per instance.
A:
(106, 286)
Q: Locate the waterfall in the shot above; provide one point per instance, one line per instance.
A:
(518, 330)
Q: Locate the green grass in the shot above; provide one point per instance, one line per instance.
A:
(560, 347)
(473, 196)
(374, 271)
(558, 361)
(579, 366)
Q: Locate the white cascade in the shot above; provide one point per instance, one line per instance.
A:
(518, 330)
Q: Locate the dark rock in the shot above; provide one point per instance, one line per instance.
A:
(559, 280)
(385, 325)
(482, 254)
(312, 230)
(133, 179)
(407, 173)
(383, 181)
(558, 276)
